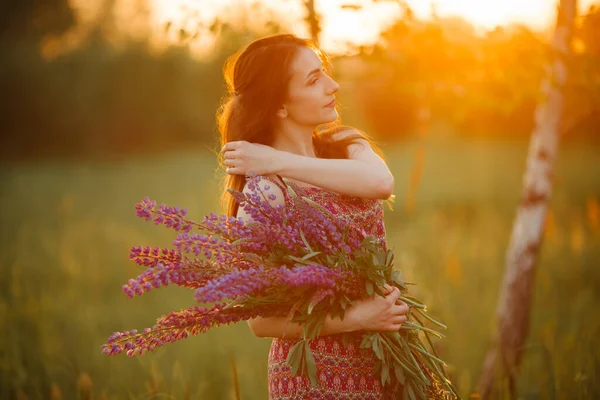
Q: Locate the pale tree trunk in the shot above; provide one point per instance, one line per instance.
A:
(312, 18)
(514, 304)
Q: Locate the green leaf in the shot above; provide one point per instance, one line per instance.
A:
(366, 341)
(345, 234)
(411, 393)
(389, 257)
(398, 278)
(305, 241)
(399, 372)
(299, 260)
(311, 306)
(410, 325)
(295, 357)
(385, 374)
(313, 326)
(407, 300)
(369, 288)
(424, 352)
(311, 365)
(310, 255)
(424, 314)
(289, 187)
(377, 349)
(375, 260)
(343, 302)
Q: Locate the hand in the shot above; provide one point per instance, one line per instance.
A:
(377, 313)
(242, 157)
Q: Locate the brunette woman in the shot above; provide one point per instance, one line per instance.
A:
(280, 96)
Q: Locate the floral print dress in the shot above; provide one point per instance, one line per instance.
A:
(344, 372)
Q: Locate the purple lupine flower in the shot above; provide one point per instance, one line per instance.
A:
(190, 274)
(151, 257)
(233, 267)
(208, 246)
(179, 325)
(229, 228)
(313, 275)
(171, 217)
(234, 284)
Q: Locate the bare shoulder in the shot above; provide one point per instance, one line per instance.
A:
(359, 141)
(349, 132)
(269, 191)
(268, 185)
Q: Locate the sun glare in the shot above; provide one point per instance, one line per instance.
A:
(487, 14)
(344, 22)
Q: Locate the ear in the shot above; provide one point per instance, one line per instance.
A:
(282, 112)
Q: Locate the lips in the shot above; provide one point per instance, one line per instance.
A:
(332, 104)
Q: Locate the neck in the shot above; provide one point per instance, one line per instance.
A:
(294, 139)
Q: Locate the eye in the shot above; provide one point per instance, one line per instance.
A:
(314, 80)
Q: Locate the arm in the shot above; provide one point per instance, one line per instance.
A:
(365, 174)
(281, 327)
(375, 313)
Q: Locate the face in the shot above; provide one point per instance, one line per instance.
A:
(311, 91)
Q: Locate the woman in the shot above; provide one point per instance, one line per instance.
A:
(280, 92)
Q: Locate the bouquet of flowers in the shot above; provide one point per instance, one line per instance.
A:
(298, 261)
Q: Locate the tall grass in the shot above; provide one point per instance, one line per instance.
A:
(67, 230)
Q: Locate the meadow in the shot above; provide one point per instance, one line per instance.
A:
(67, 229)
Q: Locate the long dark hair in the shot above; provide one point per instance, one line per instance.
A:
(257, 78)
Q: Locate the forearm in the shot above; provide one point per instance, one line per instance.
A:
(346, 176)
(281, 327)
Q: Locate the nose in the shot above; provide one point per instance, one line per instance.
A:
(334, 86)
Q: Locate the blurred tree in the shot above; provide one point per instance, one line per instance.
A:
(312, 18)
(23, 25)
(583, 88)
(474, 83)
(101, 101)
(34, 19)
(513, 311)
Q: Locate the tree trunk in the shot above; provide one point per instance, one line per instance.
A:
(514, 304)
(312, 18)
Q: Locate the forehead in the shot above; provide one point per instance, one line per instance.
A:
(304, 61)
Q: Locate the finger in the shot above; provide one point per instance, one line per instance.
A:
(393, 328)
(230, 146)
(234, 171)
(399, 319)
(394, 295)
(230, 162)
(402, 307)
(231, 154)
(386, 289)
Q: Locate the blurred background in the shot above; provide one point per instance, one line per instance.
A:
(105, 102)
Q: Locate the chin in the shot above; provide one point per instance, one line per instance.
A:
(333, 115)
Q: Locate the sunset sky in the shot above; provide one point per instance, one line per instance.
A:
(339, 25)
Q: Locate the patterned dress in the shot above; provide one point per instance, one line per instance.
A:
(344, 372)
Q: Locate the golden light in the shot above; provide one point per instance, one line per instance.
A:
(363, 25)
(339, 26)
(360, 22)
(487, 14)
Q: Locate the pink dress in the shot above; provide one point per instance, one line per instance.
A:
(344, 372)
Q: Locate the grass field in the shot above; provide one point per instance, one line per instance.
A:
(67, 230)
